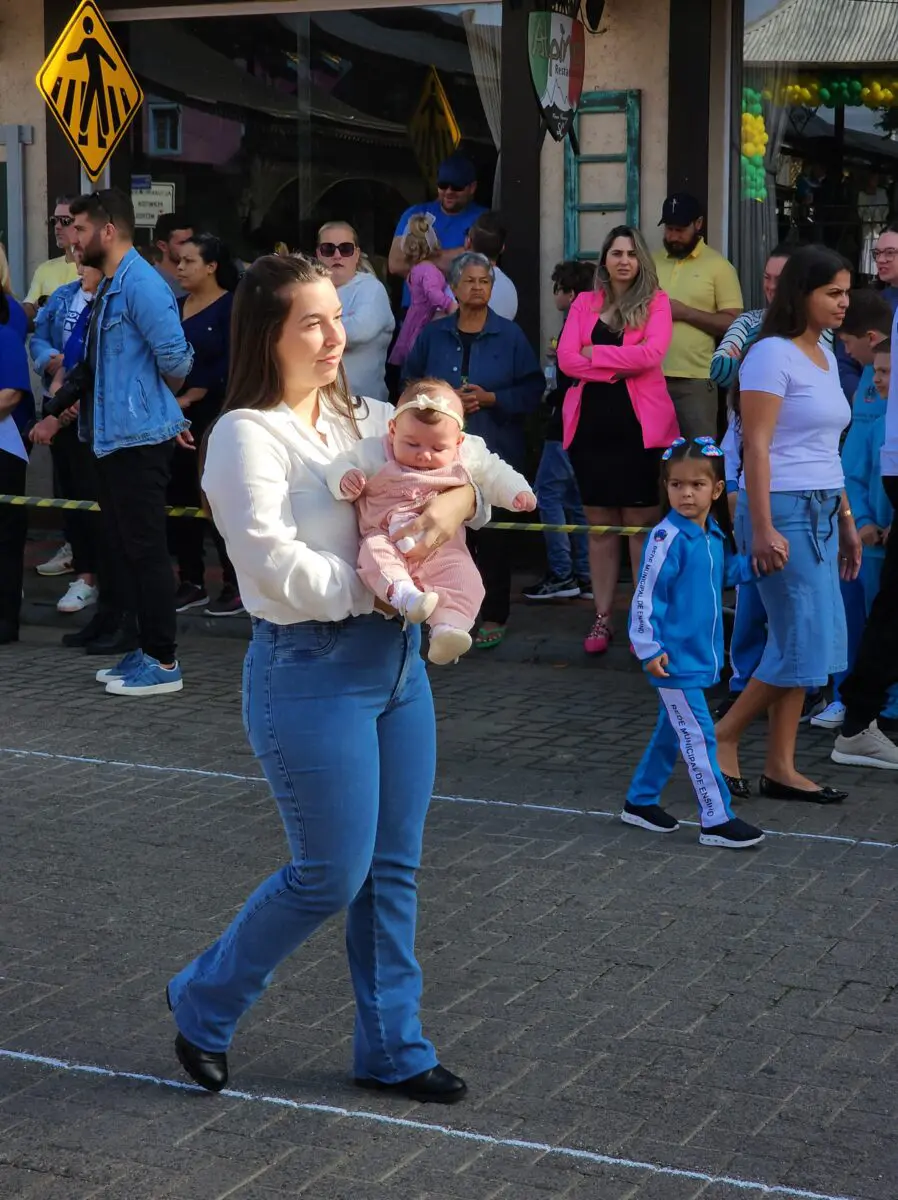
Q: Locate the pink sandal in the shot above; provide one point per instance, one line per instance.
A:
(599, 637)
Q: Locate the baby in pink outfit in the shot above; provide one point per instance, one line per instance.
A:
(391, 479)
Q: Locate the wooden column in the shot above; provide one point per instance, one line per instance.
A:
(689, 98)
(522, 138)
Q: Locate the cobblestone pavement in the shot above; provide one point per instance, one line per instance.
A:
(672, 1011)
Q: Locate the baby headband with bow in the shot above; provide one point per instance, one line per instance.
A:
(422, 403)
(709, 447)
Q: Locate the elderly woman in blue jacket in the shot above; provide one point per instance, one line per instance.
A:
(492, 366)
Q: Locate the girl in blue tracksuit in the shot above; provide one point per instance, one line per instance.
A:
(676, 629)
(873, 513)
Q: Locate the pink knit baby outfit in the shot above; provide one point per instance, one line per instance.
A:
(398, 492)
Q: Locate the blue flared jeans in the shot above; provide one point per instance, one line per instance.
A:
(341, 719)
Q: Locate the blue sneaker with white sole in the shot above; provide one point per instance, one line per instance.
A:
(123, 667)
(149, 678)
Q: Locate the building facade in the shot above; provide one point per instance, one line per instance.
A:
(263, 118)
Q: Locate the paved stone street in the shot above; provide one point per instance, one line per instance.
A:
(674, 1012)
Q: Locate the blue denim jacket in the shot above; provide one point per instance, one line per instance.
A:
(49, 335)
(502, 361)
(139, 340)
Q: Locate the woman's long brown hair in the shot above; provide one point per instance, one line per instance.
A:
(261, 306)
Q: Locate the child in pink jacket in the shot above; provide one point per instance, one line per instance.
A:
(431, 297)
(391, 479)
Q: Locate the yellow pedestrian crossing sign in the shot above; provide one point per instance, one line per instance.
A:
(90, 88)
(433, 129)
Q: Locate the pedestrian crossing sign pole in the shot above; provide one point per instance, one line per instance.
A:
(90, 89)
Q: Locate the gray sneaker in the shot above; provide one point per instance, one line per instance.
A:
(869, 748)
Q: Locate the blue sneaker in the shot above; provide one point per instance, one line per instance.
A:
(125, 666)
(149, 678)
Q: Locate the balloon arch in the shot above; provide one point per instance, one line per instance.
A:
(807, 90)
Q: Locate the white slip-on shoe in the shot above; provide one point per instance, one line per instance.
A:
(831, 717)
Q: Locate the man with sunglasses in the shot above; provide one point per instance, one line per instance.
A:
(453, 211)
(54, 272)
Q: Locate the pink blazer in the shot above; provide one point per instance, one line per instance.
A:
(638, 361)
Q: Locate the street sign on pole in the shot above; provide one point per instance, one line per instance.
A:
(433, 129)
(89, 88)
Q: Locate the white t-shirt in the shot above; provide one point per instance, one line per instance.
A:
(888, 456)
(804, 452)
(504, 300)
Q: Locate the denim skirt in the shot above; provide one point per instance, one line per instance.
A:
(806, 633)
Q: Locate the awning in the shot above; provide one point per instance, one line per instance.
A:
(162, 53)
(823, 33)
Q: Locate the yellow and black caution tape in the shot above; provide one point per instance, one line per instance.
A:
(174, 511)
(85, 505)
(538, 527)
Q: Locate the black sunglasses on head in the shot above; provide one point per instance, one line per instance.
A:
(101, 204)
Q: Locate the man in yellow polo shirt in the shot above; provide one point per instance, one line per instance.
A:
(705, 298)
(54, 272)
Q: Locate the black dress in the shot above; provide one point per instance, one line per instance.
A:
(613, 467)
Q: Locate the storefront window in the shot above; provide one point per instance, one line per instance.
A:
(819, 110)
(265, 126)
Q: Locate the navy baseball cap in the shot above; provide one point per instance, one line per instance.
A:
(457, 171)
(680, 209)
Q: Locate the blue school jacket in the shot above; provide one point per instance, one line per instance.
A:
(677, 608)
(861, 461)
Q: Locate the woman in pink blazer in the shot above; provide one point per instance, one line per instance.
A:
(618, 416)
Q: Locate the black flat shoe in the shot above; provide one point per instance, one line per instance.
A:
(781, 791)
(740, 788)
(208, 1069)
(120, 641)
(100, 625)
(205, 1067)
(436, 1086)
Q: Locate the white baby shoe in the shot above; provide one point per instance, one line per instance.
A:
(416, 606)
(447, 643)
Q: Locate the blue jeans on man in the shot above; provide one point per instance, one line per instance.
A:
(560, 504)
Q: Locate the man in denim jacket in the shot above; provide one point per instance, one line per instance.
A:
(139, 357)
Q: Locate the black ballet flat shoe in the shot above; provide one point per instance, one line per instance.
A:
(436, 1086)
(740, 788)
(205, 1067)
(781, 791)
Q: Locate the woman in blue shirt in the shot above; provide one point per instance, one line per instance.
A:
(208, 277)
(15, 394)
(492, 366)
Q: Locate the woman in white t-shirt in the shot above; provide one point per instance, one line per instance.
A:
(336, 701)
(793, 516)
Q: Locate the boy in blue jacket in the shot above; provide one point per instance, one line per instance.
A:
(676, 629)
(873, 515)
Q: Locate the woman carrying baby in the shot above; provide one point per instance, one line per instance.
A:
(336, 702)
